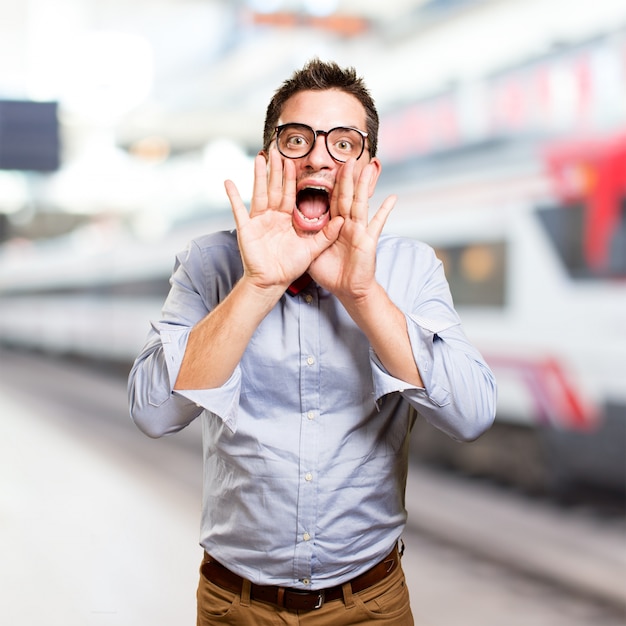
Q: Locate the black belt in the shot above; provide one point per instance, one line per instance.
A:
(296, 599)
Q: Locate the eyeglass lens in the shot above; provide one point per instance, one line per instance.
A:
(297, 140)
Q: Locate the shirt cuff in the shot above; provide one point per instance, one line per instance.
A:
(221, 401)
(422, 335)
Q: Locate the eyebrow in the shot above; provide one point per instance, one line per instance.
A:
(346, 125)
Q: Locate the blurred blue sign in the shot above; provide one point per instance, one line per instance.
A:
(29, 136)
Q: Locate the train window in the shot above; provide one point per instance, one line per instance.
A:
(589, 245)
(146, 288)
(476, 273)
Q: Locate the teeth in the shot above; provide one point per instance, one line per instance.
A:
(311, 220)
(316, 188)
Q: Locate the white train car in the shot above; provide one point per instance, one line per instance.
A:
(533, 239)
(91, 293)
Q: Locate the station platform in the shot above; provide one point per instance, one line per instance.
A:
(99, 525)
(84, 536)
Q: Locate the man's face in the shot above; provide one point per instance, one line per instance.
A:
(317, 172)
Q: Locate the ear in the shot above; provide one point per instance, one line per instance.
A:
(378, 165)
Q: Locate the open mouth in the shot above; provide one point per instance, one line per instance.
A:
(313, 203)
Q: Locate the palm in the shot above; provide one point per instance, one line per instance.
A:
(347, 266)
(271, 250)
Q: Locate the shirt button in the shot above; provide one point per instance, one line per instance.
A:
(310, 415)
(306, 537)
(308, 476)
(308, 298)
(310, 360)
(306, 581)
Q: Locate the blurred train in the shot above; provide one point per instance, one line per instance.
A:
(533, 240)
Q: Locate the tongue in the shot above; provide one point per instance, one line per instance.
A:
(312, 205)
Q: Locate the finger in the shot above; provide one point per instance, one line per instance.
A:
(360, 206)
(288, 199)
(240, 212)
(325, 238)
(259, 189)
(329, 234)
(343, 194)
(380, 218)
(275, 180)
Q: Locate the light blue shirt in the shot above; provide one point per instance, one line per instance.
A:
(306, 445)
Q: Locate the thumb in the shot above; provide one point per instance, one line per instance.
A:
(328, 235)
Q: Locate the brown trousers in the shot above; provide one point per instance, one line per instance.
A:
(386, 604)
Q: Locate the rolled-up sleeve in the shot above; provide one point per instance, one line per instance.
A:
(155, 407)
(459, 392)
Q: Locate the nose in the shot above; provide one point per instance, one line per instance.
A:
(319, 157)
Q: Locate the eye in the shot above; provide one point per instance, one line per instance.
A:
(344, 145)
(295, 140)
(346, 141)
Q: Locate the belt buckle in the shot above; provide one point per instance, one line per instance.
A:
(319, 602)
(321, 596)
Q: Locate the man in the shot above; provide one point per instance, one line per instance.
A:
(303, 341)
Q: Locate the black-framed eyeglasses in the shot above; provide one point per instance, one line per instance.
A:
(295, 141)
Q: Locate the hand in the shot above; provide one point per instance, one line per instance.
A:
(272, 252)
(347, 267)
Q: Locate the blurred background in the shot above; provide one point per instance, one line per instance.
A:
(503, 132)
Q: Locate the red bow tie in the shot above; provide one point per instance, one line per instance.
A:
(299, 284)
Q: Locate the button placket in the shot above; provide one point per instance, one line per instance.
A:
(307, 516)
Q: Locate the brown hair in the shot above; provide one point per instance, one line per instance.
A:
(318, 75)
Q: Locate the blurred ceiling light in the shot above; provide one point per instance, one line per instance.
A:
(108, 74)
(14, 193)
(321, 8)
(265, 6)
(317, 8)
